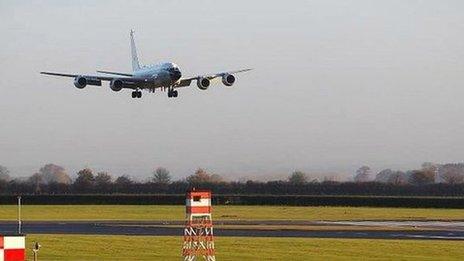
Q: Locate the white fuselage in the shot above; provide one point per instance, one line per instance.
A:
(159, 75)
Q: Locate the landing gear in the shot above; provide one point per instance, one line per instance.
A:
(136, 94)
(172, 93)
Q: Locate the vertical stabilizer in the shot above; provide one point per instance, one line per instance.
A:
(135, 59)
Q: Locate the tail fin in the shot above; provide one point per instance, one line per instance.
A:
(135, 59)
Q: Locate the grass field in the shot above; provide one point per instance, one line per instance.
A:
(154, 212)
(72, 247)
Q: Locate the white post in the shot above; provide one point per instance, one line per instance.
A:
(19, 214)
(35, 249)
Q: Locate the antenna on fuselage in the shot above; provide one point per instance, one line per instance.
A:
(135, 59)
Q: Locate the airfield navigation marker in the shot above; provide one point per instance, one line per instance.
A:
(12, 248)
(19, 215)
(198, 231)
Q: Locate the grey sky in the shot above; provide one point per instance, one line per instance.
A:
(336, 84)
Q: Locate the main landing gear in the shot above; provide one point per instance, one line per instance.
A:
(172, 93)
(136, 94)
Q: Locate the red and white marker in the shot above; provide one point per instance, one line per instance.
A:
(12, 248)
(198, 202)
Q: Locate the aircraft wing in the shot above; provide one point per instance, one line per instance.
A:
(99, 77)
(102, 78)
(183, 82)
(212, 76)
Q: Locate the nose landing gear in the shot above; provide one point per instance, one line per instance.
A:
(137, 94)
(172, 93)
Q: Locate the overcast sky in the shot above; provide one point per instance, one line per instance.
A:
(337, 84)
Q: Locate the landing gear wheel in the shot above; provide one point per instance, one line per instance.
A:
(136, 94)
(172, 93)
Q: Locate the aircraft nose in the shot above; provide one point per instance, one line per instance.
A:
(175, 75)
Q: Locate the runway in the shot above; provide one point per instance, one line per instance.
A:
(454, 230)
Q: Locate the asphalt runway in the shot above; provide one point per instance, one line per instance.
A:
(455, 231)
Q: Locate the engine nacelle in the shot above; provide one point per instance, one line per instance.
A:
(80, 82)
(203, 83)
(116, 85)
(228, 79)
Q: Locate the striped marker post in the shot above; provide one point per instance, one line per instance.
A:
(198, 231)
(12, 248)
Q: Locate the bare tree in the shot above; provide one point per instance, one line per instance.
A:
(422, 177)
(4, 173)
(36, 180)
(123, 183)
(215, 178)
(384, 175)
(362, 174)
(161, 176)
(392, 177)
(85, 181)
(398, 178)
(452, 173)
(429, 166)
(331, 179)
(201, 176)
(298, 178)
(103, 181)
(54, 173)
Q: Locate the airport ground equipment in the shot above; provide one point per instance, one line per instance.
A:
(35, 250)
(12, 248)
(198, 231)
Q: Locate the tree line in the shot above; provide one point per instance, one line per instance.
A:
(429, 180)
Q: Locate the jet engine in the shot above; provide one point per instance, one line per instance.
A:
(228, 79)
(203, 83)
(116, 85)
(80, 82)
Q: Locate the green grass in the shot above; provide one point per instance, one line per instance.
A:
(155, 212)
(76, 247)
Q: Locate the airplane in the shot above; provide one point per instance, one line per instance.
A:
(164, 76)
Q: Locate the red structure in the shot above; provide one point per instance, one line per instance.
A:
(12, 248)
(198, 231)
